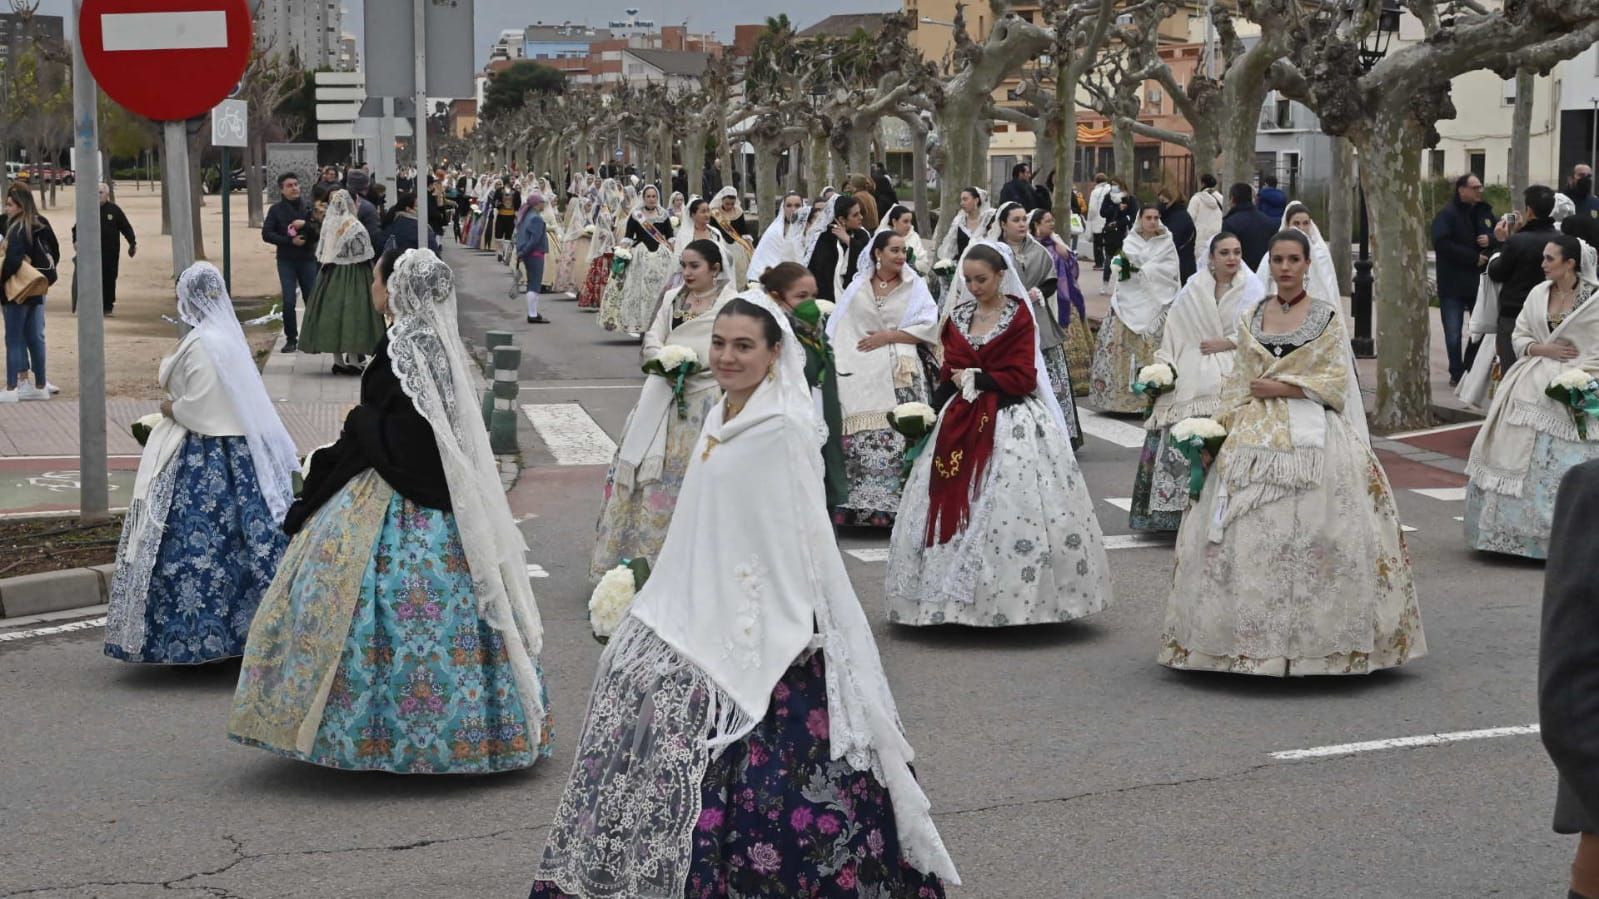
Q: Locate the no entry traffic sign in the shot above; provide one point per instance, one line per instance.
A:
(166, 59)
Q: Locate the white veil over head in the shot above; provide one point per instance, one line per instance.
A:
(921, 308)
(430, 362)
(204, 304)
(1011, 286)
(814, 232)
(780, 242)
(344, 239)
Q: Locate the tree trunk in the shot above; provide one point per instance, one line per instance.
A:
(767, 153)
(1341, 211)
(1066, 79)
(1521, 135)
(1122, 151)
(965, 135)
(792, 183)
(923, 217)
(859, 158)
(816, 161)
(252, 183)
(663, 142)
(1390, 155)
(694, 157)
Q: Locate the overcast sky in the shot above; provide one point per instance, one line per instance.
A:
(494, 16)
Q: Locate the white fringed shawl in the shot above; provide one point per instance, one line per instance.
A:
(1195, 316)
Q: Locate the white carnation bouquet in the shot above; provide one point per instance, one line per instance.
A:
(1578, 391)
(613, 597)
(1123, 267)
(676, 223)
(1153, 380)
(675, 363)
(588, 231)
(825, 307)
(1197, 438)
(143, 425)
(622, 253)
(915, 422)
(944, 266)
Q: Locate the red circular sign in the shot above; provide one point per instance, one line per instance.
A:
(166, 59)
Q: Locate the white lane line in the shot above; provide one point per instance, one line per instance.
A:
(47, 617)
(8, 636)
(1140, 541)
(164, 30)
(573, 436)
(1459, 736)
(1405, 528)
(878, 554)
(1443, 494)
(1109, 429)
(1124, 503)
(535, 571)
(1438, 430)
(1460, 518)
(590, 387)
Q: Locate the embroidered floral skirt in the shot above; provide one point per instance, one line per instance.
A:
(1060, 378)
(633, 521)
(1160, 487)
(571, 266)
(629, 307)
(594, 283)
(872, 462)
(1316, 581)
(780, 817)
(1117, 358)
(422, 684)
(213, 560)
(339, 317)
(1079, 354)
(1520, 525)
(1032, 551)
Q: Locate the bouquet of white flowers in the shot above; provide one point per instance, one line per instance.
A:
(1196, 437)
(588, 231)
(622, 253)
(675, 363)
(1578, 391)
(1124, 268)
(613, 596)
(825, 307)
(676, 223)
(144, 424)
(914, 421)
(1154, 380)
(620, 257)
(944, 266)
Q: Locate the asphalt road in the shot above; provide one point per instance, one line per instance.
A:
(1061, 761)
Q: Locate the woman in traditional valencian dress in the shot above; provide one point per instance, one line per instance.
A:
(1198, 345)
(570, 267)
(601, 244)
(996, 527)
(1529, 440)
(203, 534)
(968, 225)
(784, 239)
(649, 241)
(400, 634)
(1292, 561)
(793, 288)
(900, 220)
(741, 739)
(727, 216)
(884, 317)
(641, 487)
(1035, 268)
(1130, 333)
(834, 247)
(1073, 312)
(339, 317)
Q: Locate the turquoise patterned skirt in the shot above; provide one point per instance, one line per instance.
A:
(1520, 526)
(423, 685)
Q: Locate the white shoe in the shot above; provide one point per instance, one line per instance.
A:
(27, 391)
(8, 396)
(53, 389)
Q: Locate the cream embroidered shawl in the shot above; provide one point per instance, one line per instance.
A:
(1503, 450)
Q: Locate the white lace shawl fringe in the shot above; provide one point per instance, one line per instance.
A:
(130, 590)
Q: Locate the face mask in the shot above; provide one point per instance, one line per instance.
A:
(1582, 188)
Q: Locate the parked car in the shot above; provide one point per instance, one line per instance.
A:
(239, 181)
(22, 171)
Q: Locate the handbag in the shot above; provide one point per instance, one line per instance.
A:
(27, 283)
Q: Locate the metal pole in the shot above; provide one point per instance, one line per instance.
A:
(1593, 147)
(420, 141)
(175, 162)
(226, 186)
(93, 501)
(1362, 343)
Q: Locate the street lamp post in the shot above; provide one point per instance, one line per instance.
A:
(1372, 50)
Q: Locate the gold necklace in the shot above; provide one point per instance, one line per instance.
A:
(730, 410)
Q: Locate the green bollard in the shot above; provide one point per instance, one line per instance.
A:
(492, 341)
(502, 424)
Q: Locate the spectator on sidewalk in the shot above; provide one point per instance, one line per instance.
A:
(1580, 190)
(1272, 201)
(401, 226)
(883, 188)
(28, 236)
(114, 226)
(1207, 208)
(1119, 210)
(711, 178)
(1096, 219)
(359, 184)
(1019, 189)
(296, 255)
(1462, 239)
(1519, 266)
(1253, 227)
(1174, 215)
(1568, 670)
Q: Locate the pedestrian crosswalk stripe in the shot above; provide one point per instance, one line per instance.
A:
(571, 434)
(874, 554)
(1124, 503)
(1443, 494)
(1113, 430)
(1140, 541)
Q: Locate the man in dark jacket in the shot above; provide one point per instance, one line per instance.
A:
(1174, 215)
(359, 184)
(1272, 201)
(883, 189)
(1254, 228)
(1019, 189)
(1462, 238)
(1519, 266)
(680, 180)
(711, 178)
(296, 256)
(1568, 669)
(114, 226)
(1580, 190)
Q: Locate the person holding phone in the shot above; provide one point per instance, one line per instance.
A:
(1519, 266)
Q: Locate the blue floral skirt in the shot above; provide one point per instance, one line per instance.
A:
(1520, 526)
(218, 552)
(424, 685)
(779, 817)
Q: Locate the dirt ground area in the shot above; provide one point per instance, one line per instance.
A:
(136, 336)
(50, 544)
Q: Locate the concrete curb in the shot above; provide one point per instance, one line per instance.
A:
(55, 591)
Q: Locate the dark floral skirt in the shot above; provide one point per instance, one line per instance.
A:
(1153, 466)
(593, 288)
(779, 817)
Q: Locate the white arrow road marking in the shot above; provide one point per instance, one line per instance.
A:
(164, 30)
(536, 570)
(1121, 432)
(572, 435)
(1443, 494)
(1459, 736)
(7, 636)
(1124, 503)
(879, 554)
